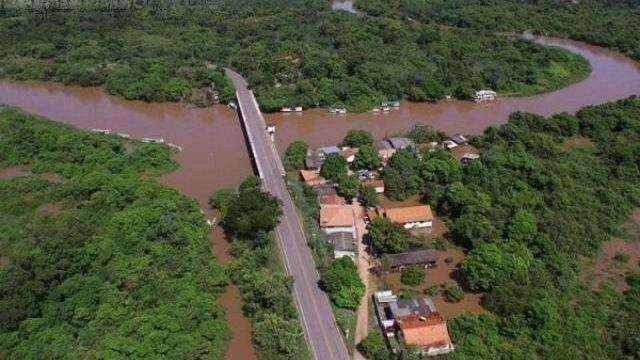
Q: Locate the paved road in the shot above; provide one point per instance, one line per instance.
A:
(317, 319)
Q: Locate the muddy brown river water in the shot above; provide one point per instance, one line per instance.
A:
(215, 154)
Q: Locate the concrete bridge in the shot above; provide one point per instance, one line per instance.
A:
(316, 316)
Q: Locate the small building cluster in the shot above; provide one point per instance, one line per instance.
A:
(414, 322)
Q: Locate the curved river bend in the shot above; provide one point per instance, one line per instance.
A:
(215, 154)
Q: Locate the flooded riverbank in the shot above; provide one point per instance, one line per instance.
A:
(613, 77)
(215, 155)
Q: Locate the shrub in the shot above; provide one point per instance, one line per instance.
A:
(413, 276)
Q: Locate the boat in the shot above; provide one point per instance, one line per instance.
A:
(395, 104)
(341, 111)
(178, 147)
(123, 135)
(233, 105)
(150, 140)
(298, 109)
(385, 108)
(101, 131)
(286, 109)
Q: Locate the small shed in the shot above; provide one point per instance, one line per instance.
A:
(426, 257)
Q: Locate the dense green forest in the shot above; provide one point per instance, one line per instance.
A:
(610, 23)
(297, 52)
(532, 212)
(98, 260)
(248, 215)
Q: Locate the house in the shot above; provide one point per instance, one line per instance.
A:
(485, 95)
(416, 322)
(427, 331)
(328, 150)
(337, 218)
(400, 143)
(449, 144)
(469, 157)
(349, 154)
(343, 244)
(384, 148)
(313, 161)
(377, 184)
(411, 217)
(424, 257)
(459, 139)
(312, 177)
(327, 195)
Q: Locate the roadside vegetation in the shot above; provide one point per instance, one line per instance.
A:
(297, 53)
(248, 215)
(120, 268)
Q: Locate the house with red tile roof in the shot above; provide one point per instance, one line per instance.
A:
(337, 218)
(427, 331)
(411, 217)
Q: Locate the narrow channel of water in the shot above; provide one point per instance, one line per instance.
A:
(215, 154)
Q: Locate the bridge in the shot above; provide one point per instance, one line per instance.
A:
(318, 323)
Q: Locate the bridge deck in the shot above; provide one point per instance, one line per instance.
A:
(313, 305)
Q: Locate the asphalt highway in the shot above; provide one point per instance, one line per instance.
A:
(318, 322)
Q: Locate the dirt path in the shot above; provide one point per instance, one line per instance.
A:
(364, 263)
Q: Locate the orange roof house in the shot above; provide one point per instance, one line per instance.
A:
(312, 177)
(337, 218)
(411, 216)
(428, 331)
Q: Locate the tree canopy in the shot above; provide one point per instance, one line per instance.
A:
(122, 268)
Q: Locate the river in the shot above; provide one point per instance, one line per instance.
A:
(215, 154)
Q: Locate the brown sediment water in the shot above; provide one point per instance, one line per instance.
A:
(613, 77)
(214, 155)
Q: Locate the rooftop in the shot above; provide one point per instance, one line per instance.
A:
(342, 241)
(416, 257)
(425, 330)
(416, 306)
(403, 215)
(459, 139)
(336, 216)
(329, 150)
(400, 142)
(382, 145)
(373, 183)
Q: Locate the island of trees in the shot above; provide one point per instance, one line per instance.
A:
(296, 53)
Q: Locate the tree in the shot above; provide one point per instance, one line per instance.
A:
(368, 196)
(348, 186)
(357, 138)
(413, 276)
(252, 211)
(221, 200)
(334, 167)
(342, 282)
(277, 338)
(401, 177)
(295, 155)
(388, 237)
(440, 167)
(374, 346)
(422, 134)
(367, 157)
(492, 264)
(454, 294)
